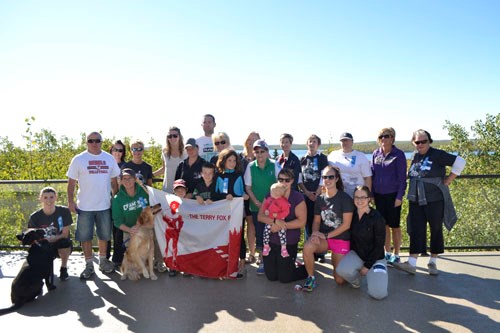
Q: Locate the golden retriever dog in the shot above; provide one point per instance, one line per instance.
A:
(139, 255)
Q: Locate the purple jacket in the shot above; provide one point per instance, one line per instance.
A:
(389, 172)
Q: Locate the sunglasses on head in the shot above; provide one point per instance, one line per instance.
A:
(328, 177)
(284, 180)
(223, 142)
(384, 136)
(94, 141)
(118, 150)
(137, 149)
(170, 136)
(423, 142)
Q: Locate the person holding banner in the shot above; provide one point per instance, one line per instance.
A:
(278, 268)
(229, 182)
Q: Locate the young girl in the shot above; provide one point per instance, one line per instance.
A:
(229, 182)
(330, 230)
(276, 206)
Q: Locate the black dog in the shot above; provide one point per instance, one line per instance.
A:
(38, 266)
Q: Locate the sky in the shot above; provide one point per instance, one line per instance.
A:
(135, 68)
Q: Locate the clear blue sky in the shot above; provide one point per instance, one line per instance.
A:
(134, 68)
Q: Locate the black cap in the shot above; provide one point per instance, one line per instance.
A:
(346, 136)
(191, 143)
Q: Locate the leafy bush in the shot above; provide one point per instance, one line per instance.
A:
(47, 157)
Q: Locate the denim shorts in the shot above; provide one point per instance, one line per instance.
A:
(85, 221)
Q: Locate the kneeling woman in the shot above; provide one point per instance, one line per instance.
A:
(366, 257)
(330, 230)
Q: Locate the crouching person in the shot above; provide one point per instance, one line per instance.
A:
(56, 221)
(366, 257)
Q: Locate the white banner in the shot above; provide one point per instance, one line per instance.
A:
(203, 240)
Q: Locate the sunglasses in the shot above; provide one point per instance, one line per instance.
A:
(423, 142)
(259, 151)
(284, 180)
(223, 142)
(384, 136)
(94, 141)
(118, 150)
(170, 136)
(329, 177)
(137, 149)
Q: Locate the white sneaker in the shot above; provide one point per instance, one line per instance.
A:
(432, 269)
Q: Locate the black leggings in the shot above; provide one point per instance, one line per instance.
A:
(419, 216)
(282, 269)
(310, 217)
(118, 247)
(243, 245)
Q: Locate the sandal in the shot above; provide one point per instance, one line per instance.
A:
(250, 259)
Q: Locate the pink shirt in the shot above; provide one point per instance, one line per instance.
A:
(279, 206)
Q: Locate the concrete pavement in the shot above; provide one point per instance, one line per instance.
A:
(465, 297)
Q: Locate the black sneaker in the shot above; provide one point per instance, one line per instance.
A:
(172, 273)
(63, 275)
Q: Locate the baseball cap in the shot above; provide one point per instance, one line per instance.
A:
(179, 183)
(128, 171)
(261, 143)
(346, 136)
(191, 143)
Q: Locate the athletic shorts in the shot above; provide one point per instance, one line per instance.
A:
(385, 206)
(339, 246)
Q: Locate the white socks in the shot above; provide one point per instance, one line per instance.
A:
(412, 261)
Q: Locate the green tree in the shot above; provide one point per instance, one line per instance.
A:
(475, 199)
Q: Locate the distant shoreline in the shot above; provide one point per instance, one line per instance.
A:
(366, 147)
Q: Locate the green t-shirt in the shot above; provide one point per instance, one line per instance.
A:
(126, 209)
(262, 179)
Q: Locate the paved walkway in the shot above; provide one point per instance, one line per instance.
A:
(465, 297)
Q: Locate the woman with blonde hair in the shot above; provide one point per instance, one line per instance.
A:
(172, 154)
(221, 141)
(389, 185)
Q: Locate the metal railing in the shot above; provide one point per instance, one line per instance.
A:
(490, 247)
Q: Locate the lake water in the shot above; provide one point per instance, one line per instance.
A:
(301, 153)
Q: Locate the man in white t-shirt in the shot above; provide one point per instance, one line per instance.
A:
(205, 143)
(96, 173)
(354, 166)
